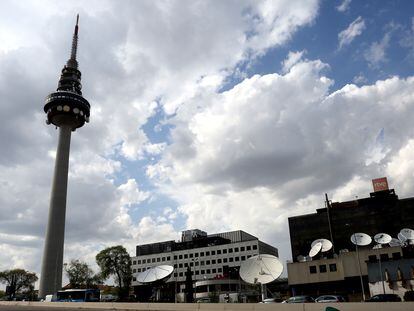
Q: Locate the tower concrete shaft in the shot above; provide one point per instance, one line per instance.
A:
(52, 264)
(68, 110)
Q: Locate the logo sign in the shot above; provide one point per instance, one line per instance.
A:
(380, 184)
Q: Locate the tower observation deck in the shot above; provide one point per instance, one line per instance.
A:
(67, 110)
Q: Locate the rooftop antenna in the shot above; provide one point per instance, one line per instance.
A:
(72, 62)
(328, 207)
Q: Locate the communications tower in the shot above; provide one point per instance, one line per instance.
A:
(67, 110)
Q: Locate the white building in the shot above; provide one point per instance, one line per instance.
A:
(210, 257)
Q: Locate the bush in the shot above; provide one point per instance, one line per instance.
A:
(409, 295)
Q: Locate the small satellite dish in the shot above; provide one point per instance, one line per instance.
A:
(361, 239)
(382, 238)
(377, 246)
(407, 233)
(326, 244)
(155, 274)
(261, 269)
(315, 249)
(395, 242)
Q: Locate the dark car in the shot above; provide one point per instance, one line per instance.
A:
(299, 299)
(384, 298)
(330, 298)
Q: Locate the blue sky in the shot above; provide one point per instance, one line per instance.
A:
(212, 115)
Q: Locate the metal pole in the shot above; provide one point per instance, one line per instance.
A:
(380, 271)
(329, 222)
(263, 290)
(52, 263)
(360, 273)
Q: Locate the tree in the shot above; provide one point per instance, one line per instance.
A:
(17, 280)
(80, 275)
(116, 261)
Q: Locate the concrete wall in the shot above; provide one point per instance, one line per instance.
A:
(385, 306)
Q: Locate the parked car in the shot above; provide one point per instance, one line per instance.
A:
(269, 300)
(330, 298)
(299, 299)
(384, 298)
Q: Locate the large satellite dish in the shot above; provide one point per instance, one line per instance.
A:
(155, 274)
(261, 269)
(326, 244)
(315, 249)
(382, 238)
(402, 238)
(361, 239)
(407, 233)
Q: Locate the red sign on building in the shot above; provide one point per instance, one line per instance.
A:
(380, 184)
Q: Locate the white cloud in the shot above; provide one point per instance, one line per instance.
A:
(354, 29)
(344, 6)
(376, 53)
(292, 59)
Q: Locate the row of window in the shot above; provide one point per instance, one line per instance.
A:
(201, 263)
(197, 255)
(201, 272)
(323, 268)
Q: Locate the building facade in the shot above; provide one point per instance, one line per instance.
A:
(210, 257)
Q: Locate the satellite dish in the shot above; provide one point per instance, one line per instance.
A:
(326, 244)
(377, 246)
(395, 242)
(382, 238)
(361, 239)
(407, 233)
(155, 274)
(315, 249)
(261, 269)
(402, 238)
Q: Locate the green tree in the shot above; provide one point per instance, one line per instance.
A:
(115, 261)
(80, 275)
(17, 280)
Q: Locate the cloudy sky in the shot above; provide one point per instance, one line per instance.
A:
(217, 115)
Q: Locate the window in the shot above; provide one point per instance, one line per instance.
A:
(230, 250)
(248, 247)
(134, 270)
(175, 274)
(248, 256)
(202, 263)
(185, 256)
(207, 253)
(219, 260)
(312, 269)
(224, 260)
(175, 266)
(180, 256)
(236, 249)
(214, 271)
(202, 254)
(196, 263)
(220, 269)
(242, 249)
(208, 271)
(163, 258)
(139, 270)
(384, 257)
(144, 261)
(186, 264)
(231, 259)
(236, 259)
(322, 268)
(207, 262)
(181, 274)
(372, 258)
(197, 272)
(396, 255)
(219, 252)
(191, 255)
(255, 246)
(175, 257)
(153, 259)
(134, 262)
(203, 271)
(196, 255)
(213, 253)
(213, 262)
(139, 262)
(243, 258)
(224, 251)
(158, 259)
(191, 264)
(180, 265)
(168, 258)
(332, 267)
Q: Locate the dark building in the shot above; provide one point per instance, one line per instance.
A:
(383, 211)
